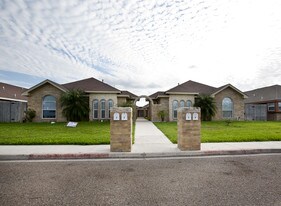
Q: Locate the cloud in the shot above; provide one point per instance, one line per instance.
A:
(143, 46)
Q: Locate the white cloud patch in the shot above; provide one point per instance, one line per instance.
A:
(144, 46)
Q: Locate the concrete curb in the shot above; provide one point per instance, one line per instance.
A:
(127, 155)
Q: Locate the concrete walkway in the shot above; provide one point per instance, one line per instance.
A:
(149, 139)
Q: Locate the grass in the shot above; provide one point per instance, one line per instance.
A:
(86, 133)
(219, 131)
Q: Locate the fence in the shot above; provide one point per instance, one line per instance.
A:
(12, 111)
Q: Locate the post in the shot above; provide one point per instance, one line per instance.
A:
(189, 128)
(121, 129)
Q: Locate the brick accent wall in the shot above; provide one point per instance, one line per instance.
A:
(35, 102)
(238, 104)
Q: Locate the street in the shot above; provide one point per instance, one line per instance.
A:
(224, 180)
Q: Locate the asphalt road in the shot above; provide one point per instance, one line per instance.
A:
(236, 180)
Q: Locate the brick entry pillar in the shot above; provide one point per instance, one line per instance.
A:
(189, 128)
(121, 129)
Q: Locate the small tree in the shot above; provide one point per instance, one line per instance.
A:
(207, 105)
(75, 104)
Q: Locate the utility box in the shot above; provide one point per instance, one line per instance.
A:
(189, 128)
(121, 129)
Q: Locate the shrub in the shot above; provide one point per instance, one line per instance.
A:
(29, 115)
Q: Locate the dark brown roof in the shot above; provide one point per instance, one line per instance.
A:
(129, 94)
(91, 85)
(264, 94)
(192, 87)
(11, 92)
(156, 94)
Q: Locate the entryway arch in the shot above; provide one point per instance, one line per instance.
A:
(145, 111)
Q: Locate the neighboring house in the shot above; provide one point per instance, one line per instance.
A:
(229, 100)
(264, 104)
(12, 103)
(44, 98)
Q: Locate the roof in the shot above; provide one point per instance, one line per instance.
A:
(128, 94)
(191, 87)
(91, 85)
(264, 94)
(47, 81)
(157, 94)
(12, 93)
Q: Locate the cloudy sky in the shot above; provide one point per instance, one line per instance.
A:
(142, 46)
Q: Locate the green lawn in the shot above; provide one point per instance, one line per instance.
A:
(46, 133)
(218, 131)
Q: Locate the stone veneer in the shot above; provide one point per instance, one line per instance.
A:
(35, 100)
(238, 104)
(121, 130)
(189, 131)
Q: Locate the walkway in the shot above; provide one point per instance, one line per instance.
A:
(149, 139)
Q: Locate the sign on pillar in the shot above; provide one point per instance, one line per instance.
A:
(121, 129)
(189, 128)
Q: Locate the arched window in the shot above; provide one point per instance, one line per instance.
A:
(110, 105)
(49, 107)
(175, 106)
(102, 104)
(95, 109)
(182, 103)
(189, 103)
(227, 108)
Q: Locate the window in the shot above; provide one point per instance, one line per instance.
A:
(49, 107)
(227, 108)
(279, 106)
(175, 106)
(102, 103)
(182, 103)
(96, 109)
(189, 103)
(110, 105)
(271, 107)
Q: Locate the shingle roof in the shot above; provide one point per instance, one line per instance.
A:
(91, 85)
(127, 93)
(11, 92)
(156, 94)
(264, 94)
(192, 87)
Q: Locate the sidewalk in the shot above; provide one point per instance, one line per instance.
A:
(149, 143)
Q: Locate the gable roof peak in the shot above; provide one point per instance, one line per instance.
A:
(191, 87)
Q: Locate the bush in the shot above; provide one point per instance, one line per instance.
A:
(29, 115)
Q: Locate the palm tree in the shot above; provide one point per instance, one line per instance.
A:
(207, 105)
(75, 104)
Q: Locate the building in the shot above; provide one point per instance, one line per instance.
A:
(44, 98)
(264, 104)
(229, 100)
(12, 103)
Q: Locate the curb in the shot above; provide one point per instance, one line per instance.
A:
(127, 155)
